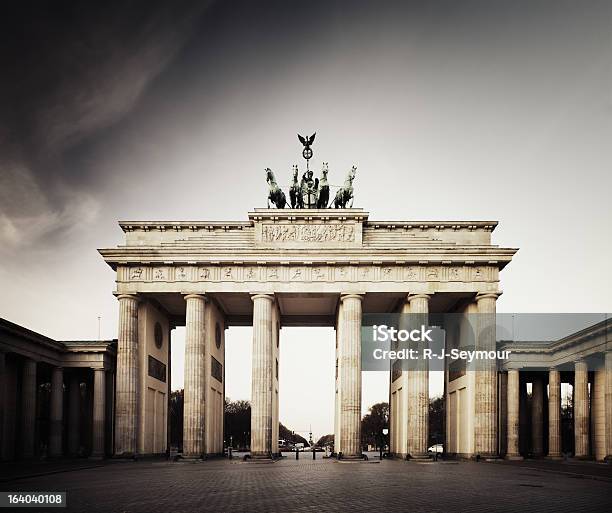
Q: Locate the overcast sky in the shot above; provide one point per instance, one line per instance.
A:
(171, 110)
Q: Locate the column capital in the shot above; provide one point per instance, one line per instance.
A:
(135, 297)
(488, 295)
(195, 296)
(410, 297)
(351, 295)
(262, 295)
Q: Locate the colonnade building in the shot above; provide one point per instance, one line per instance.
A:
(56, 397)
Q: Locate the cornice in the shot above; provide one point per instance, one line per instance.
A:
(580, 337)
(305, 216)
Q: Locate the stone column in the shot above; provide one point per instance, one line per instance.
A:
(74, 414)
(418, 384)
(581, 410)
(195, 348)
(350, 376)
(126, 416)
(99, 409)
(554, 414)
(537, 416)
(56, 413)
(608, 405)
(338, 389)
(523, 424)
(485, 421)
(513, 452)
(262, 377)
(28, 408)
(502, 413)
(3, 401)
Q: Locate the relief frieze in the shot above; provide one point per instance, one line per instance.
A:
(310, 234)
(310, 273)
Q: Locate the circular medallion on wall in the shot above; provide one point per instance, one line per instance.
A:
(218, 336)
(158, 335)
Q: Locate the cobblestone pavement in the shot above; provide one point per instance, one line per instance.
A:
(323, 485)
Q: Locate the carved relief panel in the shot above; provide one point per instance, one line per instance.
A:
(310, 273)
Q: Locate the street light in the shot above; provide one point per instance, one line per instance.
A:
(385, 432)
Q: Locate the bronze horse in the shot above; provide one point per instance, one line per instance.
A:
(323, 199)
(276, 195)
(345, 194)
(295, 191)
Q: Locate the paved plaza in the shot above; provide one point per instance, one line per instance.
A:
(324, 485)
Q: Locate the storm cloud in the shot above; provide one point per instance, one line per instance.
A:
(72, 70)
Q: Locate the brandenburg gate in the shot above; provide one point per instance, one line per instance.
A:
(291, 267)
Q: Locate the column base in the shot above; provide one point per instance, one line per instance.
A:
(514, 457)
(486, 457)
(125, 456)
(262, 458)
(419, 456)
(351, 457)
(96, 457)
(556, 457)
(192, 457)
(261, 455)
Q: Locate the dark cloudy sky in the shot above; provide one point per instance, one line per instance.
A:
(171, 110)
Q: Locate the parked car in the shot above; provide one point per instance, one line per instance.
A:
(436, 448)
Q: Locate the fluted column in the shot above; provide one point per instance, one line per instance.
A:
(513, 451)
(418, 383)
(485, 421)
(262, 377)
(99, 410)
(338, 388)
(523, 417)
(195, 349)
(56, 414)
(581, 410)
(350, 376)
(126, 416)
(74, 414)
(537, 416)
(608, 404)
(3, 393)
(554, 414)
(28, 408)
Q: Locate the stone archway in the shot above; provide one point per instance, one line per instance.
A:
(287, 267)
